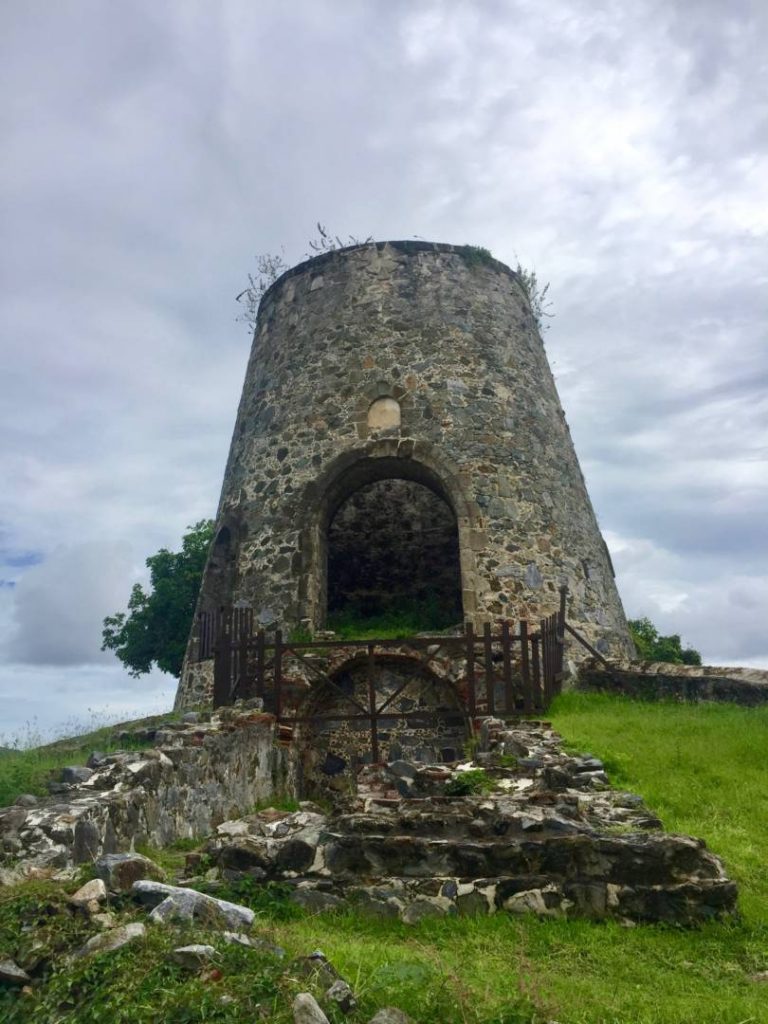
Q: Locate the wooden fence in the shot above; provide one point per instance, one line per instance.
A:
(507, 669)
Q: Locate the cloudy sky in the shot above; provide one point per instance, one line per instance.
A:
(151, 150)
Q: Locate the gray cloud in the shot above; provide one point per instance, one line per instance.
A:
(151, 151)
(60, 605)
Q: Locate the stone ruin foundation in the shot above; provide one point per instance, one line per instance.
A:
(548, 837)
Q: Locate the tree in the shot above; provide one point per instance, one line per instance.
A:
(157, 624)
(652, 647)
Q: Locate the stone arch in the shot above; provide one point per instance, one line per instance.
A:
(333, 750)
(221, 568)
(381, 459)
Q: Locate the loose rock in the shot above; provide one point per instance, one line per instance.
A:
(120, 870)
(390, 1015)
(173, 903)
(114, 939)
(194, 956)
(12, 974)
(75, 774)
(26, 800)
(342, 995)
(307, 1011)
(90, 895)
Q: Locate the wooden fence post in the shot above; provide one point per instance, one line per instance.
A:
(222, 666)
(536, 666)
(372, 705)
(278, 674)
(471, 698)
(525, 667)
(490, 683)
(509, 692)
(260, 688)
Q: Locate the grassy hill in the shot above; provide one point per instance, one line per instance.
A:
(702, 768)
(28, 769)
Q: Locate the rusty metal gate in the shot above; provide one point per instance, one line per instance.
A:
(506, 670)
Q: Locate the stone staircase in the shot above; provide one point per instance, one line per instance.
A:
(549, 837)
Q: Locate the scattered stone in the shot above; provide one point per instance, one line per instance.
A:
(120, 870)
(390, 1015)
(317, 967)
(190, 717)
(427, 906)
(96, 759)
(12, 818)
(759, 976)
(307, 1011)
(12, 974)
(26, 800)
(253, 942)
(402, 769)
(173, 903)
(341, 994)
(316, 902)
(113, 939)
(90, 895)
(74, 775)
(194, 956)
(87, 844)
(105, 920)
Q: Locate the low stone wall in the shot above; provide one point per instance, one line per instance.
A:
(198, 775)
(663, 681)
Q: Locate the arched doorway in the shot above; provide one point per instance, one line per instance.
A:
(420, 718)
(421, 526)
(393, 560)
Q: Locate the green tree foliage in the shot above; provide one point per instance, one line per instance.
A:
(157, 623)
(652, 647)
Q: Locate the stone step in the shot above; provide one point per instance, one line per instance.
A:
(645, 859)
(632, 859)
(411, 899)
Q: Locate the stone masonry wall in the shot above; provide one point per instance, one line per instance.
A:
(662, 681)
(196, 776)
(453, 341)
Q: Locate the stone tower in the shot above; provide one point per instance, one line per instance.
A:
(400, 444)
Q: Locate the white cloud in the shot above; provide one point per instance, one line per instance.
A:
(59, 605)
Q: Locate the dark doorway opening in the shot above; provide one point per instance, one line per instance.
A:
(393, 560)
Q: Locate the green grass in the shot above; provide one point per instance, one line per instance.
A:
(703, 768)
(402, 620)
(28, 769)
(700, 767)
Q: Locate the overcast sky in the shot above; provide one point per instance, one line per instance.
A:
(151, 150)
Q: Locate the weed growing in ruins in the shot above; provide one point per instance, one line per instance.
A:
(406, 618)
(269, 266)
(537, 296)
(476, 256)
(325, 241)
(505, 761)
(473, 782)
